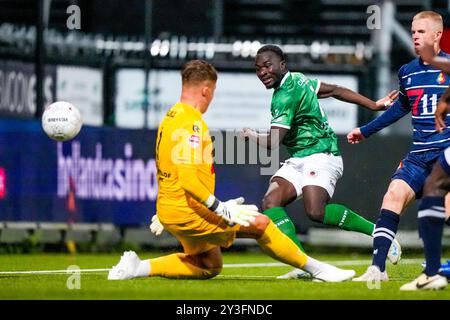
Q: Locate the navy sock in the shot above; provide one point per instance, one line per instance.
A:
(383, 235)
(431, 225)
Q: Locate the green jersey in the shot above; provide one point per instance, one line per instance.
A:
(295, 106)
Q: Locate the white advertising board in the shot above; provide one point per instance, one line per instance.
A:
(83, 88)
(240, 100)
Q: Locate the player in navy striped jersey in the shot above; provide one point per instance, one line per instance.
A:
(421, 86)
(431, 213)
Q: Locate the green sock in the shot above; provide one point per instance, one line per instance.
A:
(281, 219)
(346, 219)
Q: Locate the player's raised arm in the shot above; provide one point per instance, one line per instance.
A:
(389, 117)
(271, 140)
(327, 90)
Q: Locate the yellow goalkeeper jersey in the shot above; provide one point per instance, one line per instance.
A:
(184, 164)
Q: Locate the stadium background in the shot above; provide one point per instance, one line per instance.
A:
(101, 186)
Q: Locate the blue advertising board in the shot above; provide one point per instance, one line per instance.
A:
(103, 175)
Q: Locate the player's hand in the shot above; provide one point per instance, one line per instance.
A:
(440, 115)
(245, 133)
(234, 211)
(355, 136)
(386, 102)
(156, 227)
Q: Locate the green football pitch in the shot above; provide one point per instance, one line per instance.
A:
(246, 276)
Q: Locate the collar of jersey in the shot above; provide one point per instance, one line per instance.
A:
(287, 75)
(188, 106)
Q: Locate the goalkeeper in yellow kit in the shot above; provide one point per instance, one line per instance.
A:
(188, 208)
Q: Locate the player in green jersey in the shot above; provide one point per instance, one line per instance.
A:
(315, 163)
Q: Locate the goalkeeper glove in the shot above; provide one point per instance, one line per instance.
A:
(156, 227)
(233, 211)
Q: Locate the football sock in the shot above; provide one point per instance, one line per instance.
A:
(143, 269)
(346, 219)
(383, 236)
(431, 224)
(281, 219)
(280, 247)
(178, 266)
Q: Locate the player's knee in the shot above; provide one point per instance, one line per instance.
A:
(260, 224)
(316, 214)
(394, 196)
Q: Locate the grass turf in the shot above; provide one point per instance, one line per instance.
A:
(233, 283)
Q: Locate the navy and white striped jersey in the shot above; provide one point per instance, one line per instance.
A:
(421, 87)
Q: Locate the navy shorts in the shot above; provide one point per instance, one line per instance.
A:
(415, 168)
(444, 160)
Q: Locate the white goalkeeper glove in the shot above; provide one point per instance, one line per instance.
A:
(156, 227)
(233, 211)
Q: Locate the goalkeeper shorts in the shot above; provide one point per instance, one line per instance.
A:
(203, 233)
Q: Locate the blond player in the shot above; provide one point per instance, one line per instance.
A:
(188, 208)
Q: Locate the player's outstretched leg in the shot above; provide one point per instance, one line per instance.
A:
(347, 219)
(277, 245)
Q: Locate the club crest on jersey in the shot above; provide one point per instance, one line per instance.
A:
(196, 128)
(194, 141)
(441, 78)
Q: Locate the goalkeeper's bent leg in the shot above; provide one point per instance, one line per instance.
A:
(280, 247)
(180, 266)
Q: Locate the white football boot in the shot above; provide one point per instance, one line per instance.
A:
(395, 252)
(373, 273)
(296, 274)
(126, 268)
(423, 282)
(329, 273)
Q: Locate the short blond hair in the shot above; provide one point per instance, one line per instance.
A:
(433, 16)
(197, 71)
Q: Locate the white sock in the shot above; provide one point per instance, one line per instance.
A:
(314, 266)
(143, 270)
